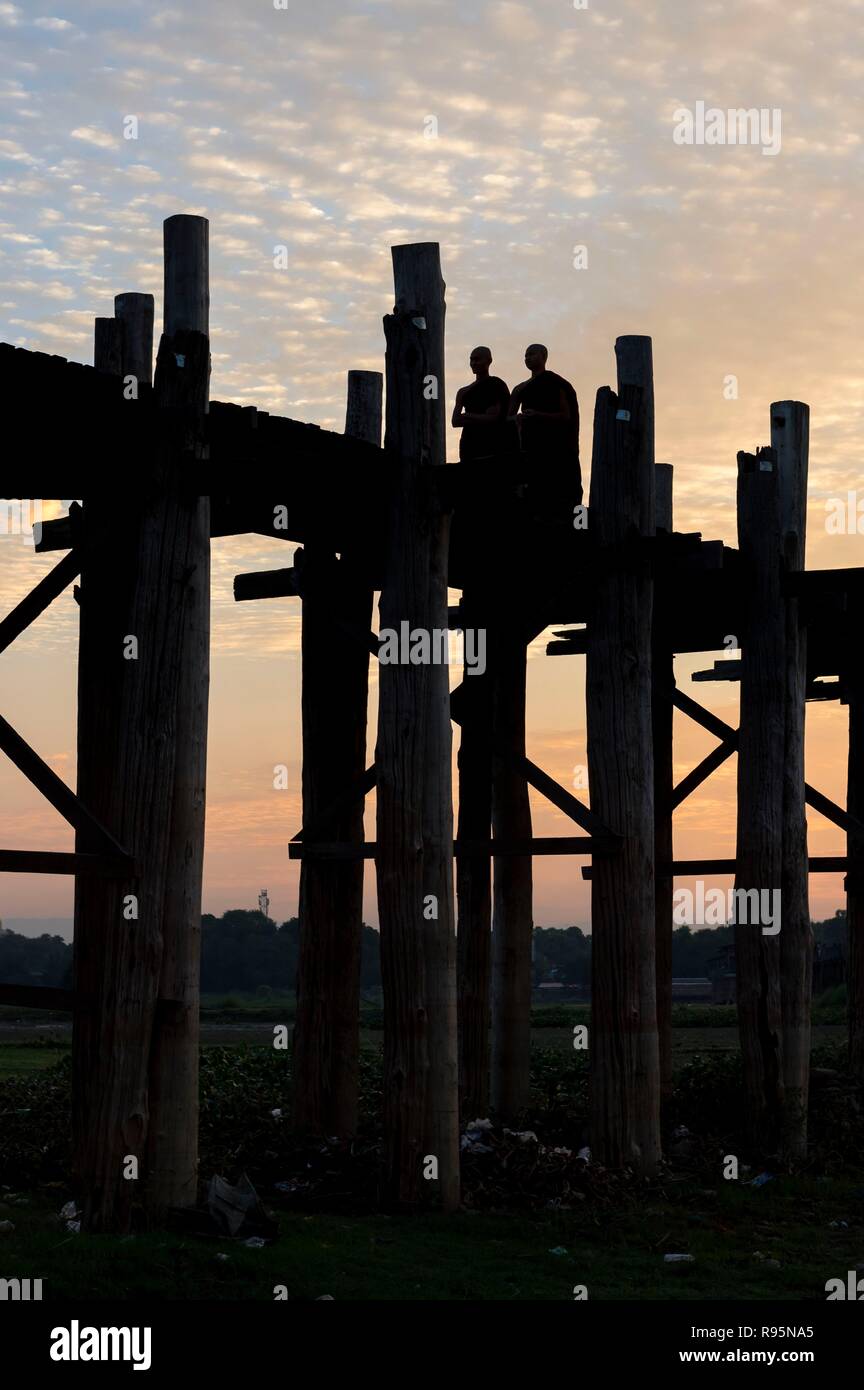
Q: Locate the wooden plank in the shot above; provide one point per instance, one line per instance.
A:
(39, 598)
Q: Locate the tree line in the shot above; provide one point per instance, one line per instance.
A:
(243, 951)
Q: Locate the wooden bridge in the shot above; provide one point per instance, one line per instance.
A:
(161, 470)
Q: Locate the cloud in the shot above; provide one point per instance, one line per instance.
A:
(92, 136)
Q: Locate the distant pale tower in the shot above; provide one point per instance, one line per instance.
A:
(264, 902)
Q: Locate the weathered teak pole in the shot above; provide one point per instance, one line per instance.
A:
(107, 346)
(853, 676)
(142, 730)
(635, 363)
(625, 1119)
(761, 748)
(790, 439)
(334, 699)
(513, 891)
(134, 313)
(474, 894)
(414, 801)
(662, 716)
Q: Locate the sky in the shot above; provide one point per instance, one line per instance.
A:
(537, 144)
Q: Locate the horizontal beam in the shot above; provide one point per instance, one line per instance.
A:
(35, 603)
(70, 1001)
(281, 583)
(38, 997)
(495, 849)
(813, 583)
(33, 861)
(726, 669)
(687, 868)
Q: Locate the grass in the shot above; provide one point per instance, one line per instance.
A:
(482, 1257)
(333, 1240)
(19, 1059)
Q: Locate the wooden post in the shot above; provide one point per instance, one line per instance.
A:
(623, 1052)
(107, 350)
(335, 691)
(513, 895)
(415, 817)
(761, 749)
(142, 730)
(854, 681)
(662, 715)
(134, 313)
(364, 406)
(187, 275)
(474, 895)
(635, 363)
(790, 437)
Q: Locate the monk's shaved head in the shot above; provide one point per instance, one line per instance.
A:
(535, 356)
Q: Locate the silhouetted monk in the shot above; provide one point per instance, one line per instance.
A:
(546, 410)
(481, 410)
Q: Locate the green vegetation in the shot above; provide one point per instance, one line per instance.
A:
(523, 1200)
(475, 1257)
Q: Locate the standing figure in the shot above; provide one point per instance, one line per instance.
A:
(546, 410)
(481, 411)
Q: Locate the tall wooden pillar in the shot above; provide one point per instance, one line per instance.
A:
(134, 313)
(107, 346)
(662, 713)
(790, 439)
(624, 1062)
(415, 814)
(335, 692)
(853, 676)
(142, 731)
(761, 751)
(474, 895)
(635, 364)
(513, 893)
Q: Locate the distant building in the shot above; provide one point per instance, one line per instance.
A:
(264, 902)
(692, 991)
